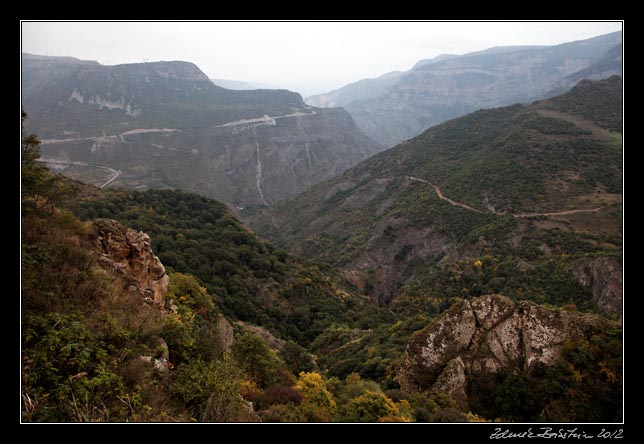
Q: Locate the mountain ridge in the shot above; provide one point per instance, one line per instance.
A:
(431, 189)
(449, 86)
(166, 125)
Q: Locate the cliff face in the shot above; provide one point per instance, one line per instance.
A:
(128, 253)
(165, 125)
(244, 162)
(487, 335)
(444, 89)
(603, 275)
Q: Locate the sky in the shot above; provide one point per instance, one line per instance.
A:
(307, 57)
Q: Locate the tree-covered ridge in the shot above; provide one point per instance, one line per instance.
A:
(600, 102)
(527, 180)
(250, 279)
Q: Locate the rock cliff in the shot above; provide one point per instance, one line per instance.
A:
(603, 275)
(128, 253)
(488, 334)
(445, 88)
(165, 125)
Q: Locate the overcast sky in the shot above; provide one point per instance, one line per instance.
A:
(309, 57)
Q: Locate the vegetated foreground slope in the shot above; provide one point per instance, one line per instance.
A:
(166, 125)
(99, 344)
(532, 188)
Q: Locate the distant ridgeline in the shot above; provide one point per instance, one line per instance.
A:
(166, 125)
(400, 105)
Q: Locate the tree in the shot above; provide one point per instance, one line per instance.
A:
(318, 401)
(296, 358)
(210, 390)
(30, 147)
(40, 189)
(185, 290)
(259, 362)
(370, 407)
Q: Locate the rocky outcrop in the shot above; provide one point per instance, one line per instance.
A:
(128, 253)
(160, 362)
(225, 333)
(603, 275)
(488, 334)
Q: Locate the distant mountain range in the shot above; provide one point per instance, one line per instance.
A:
(400, 105)
(166, 125)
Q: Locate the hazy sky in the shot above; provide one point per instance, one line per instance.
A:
(307, 57)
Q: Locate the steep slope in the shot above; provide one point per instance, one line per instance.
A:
(38, 71)
(109, 334)
(249, 279)
(361, 90)
(610, 64)
(520, 183)
(366, 88)
(438, 90)
(165, 125)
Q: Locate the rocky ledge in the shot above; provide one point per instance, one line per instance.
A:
(128, 253)
(487, 335)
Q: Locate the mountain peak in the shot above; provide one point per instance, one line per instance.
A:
(175, 69)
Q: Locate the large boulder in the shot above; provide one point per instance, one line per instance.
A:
(487, 335)
(128, 253)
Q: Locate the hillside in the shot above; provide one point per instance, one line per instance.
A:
(109, 333)
(361, 90)
(37, 71)
(526, 190)
(366, 88)
(95, 100)
(166, 125)
(446, 87)
(249, 279)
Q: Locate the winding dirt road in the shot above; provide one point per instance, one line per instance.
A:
(115, 173)
(441, 196)
(265, 120)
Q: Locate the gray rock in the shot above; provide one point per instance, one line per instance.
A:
(604, 276)
(487, 335)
